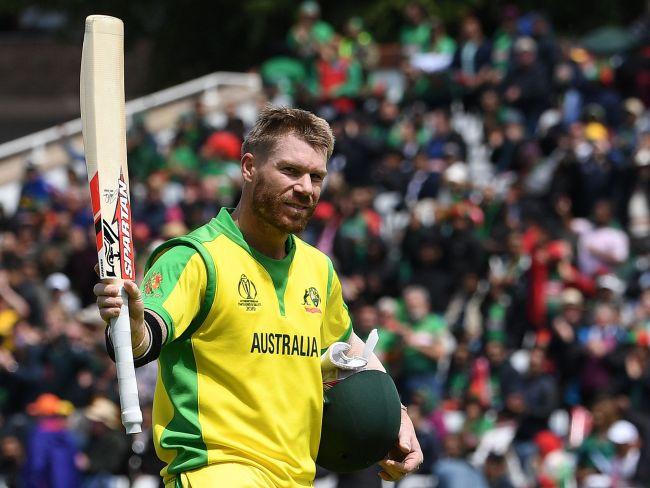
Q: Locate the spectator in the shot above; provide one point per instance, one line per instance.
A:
(564, 348)
(427, 436)
(358, 44)
(103, 437)
(442, 134)
(525, 86)
(504, 38)
(12, 457)
(621, 465)
(427, 345)
(309, 32)
(597, 447)
(599, 341)
(602, 247)
(453, 471)
(472, 61)
(51, 448)
(415, 35)
(496, 472)
(532, 404)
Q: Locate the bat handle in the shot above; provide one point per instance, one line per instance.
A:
(128, 388)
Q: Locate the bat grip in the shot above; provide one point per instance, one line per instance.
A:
(128, 388)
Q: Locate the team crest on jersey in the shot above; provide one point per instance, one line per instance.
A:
(152, 285)
(248, 294)
(311, 300)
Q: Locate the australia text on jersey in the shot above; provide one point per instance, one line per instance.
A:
(284, 344)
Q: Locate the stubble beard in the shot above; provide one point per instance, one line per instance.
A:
(271, 209)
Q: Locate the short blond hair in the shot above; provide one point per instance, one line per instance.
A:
(274, 122)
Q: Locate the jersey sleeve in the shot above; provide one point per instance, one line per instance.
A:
(337, 324)
(170, 288)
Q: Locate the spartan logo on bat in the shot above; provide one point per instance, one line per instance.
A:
(311, 300)
(122, 218)
(248, 292)
(118, 246)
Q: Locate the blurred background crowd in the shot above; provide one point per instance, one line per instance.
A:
(487, 209)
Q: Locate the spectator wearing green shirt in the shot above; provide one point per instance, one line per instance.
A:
(441, 43)
(596, 451)
(142, 151)
(415, 36)
(427, 345)
(182, 160)
(309, 32)
(503, 41)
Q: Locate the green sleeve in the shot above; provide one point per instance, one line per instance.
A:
(166, 285)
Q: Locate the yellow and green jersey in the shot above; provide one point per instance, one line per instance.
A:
(239, 377)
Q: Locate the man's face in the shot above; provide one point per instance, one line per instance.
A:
(287, 185)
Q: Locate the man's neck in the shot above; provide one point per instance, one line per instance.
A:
(260, 235)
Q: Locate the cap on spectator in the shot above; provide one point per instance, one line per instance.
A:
(633, 106)
(558, 249)
(571, 297)
(457, 174)
(622, 432)
(224, 144)
(642, 158)
(525, 45)
(387, 305)
(57, 281)
(612, 283)
(579, 55)
(595, 131)
(104, 411)
(324, 211)
(50, 405)
(548, 119)
(547, 442)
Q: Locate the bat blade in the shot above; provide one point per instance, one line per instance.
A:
(104, 135)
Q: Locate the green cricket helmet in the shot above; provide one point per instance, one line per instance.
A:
(361, 421)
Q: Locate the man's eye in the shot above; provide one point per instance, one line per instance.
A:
(315, 177)
(290, 171)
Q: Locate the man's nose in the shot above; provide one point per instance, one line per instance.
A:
(304, 186)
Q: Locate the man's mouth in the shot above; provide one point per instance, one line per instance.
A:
(297, 206)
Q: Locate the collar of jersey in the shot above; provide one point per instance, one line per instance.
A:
(224, 222)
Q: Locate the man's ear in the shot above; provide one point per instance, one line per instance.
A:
(248, 167)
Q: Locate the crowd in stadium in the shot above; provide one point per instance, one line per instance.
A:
(487, 209)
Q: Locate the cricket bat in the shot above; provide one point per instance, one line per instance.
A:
(104, 135)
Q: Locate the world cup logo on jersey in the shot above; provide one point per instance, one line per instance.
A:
(248, 292)
(246, 288)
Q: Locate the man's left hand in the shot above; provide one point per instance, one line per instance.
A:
(406, 457)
